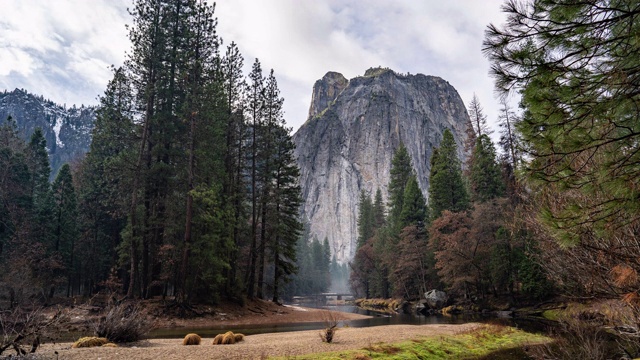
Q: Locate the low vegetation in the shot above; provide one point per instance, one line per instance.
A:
(331, 325)
(123, 323)
(191, 339)
(89, 341)
(227, 338)
(479, 343)
(384, 305)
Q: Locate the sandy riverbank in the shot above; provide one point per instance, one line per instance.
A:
(257, 346)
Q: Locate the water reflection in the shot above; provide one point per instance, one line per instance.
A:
(377, 319)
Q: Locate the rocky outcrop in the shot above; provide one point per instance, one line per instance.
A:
(435, 299)
(67, 130)
(350, 137)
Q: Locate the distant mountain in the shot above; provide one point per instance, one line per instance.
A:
(353, 130)
(67, 130)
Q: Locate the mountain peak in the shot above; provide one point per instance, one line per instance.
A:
(353, 130)
(325, 91)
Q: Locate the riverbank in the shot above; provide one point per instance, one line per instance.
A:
(226, 314)
(260, 346)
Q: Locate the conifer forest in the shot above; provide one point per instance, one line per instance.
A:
(190, 191)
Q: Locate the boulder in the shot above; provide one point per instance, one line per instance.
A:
(435, 299)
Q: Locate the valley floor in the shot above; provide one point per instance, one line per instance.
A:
(259, 346)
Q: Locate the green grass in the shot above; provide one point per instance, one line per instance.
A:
(486, 342)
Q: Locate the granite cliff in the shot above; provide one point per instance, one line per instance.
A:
(354, 127)
(67, 130)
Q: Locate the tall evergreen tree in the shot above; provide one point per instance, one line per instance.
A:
(401, 171)
(38, 160)
(485, 175)
(272, 111)
(414, 208)
(65, 221)
(447, 190)
(234, 90)
(365, 218)
(287, 200)
(255, 109)
(104, 180)
(378, 209)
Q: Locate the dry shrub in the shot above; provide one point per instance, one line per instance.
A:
(604, 330)
(123, 323)
(228, 338)
(110, 345)
(191, 339)
(574, 339)
(331, 325)
(218, 339)
(89, 341)
(23, 330)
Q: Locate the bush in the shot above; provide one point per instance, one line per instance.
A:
(90, 341)
(123, 323)
(191, 339)
(331, 324)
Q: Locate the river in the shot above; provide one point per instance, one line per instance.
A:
(377, 319)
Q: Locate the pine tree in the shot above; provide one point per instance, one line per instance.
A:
(508, 120)
(401, 171)
(378, 210)
(255, 110)
(104, 180)
(575, 65)
(38, 160)
(65, 221)
(447, 190)
(414, 208)
(485, 175)
(234, 90)
(272, 110)
(365, 219)
(287, 200)
(478, 118)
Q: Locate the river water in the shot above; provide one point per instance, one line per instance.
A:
(376, 320)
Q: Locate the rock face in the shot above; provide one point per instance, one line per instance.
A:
(67, 130)
(349, 139)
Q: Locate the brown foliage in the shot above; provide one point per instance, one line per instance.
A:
(462, 243)
(191, 339)
(410, 265)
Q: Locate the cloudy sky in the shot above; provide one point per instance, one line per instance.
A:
(63, 49)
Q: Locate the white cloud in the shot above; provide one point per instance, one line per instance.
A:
(62, 49)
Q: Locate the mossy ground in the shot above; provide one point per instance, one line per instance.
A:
(486, 342)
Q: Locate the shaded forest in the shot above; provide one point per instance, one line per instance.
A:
(189, 190)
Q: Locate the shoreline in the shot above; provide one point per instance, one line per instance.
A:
(259, 346)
